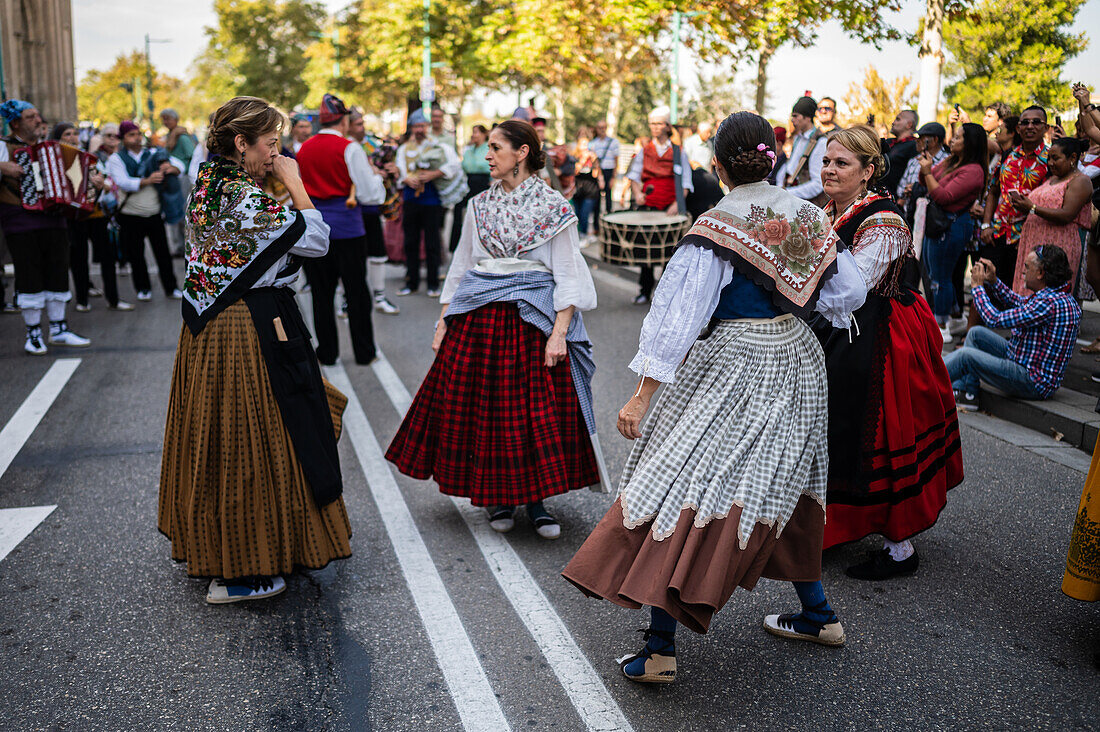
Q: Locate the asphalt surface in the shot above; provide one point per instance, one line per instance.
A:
(99, 629)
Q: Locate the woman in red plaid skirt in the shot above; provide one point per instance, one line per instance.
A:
(504, 416)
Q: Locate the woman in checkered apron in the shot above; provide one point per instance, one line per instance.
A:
(726, 482)
(504, 416)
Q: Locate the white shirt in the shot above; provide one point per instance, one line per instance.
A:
(635, 171)
(197, 158)
(313, 244)
(450, 168)
(369, 188)
(699, 151)
(561, 256)
(607, 150)
(117, 169)
(812, 187)
(688, 292)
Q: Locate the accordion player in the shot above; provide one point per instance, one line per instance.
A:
(56, 178)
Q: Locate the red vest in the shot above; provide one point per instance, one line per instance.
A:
(324, 171)
(657, 174)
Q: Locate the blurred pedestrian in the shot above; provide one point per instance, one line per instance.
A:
(606, 149)
(826, 115)
(476, 168)
(901, 148)
(802, 173)
(1059, 211)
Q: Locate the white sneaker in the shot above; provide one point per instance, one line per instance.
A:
(177, 294)
(946, 333)
(60, 335)
(956, 325)
(121, 305)
(34, 345)
(80, 308)
(502, 519)
(433, 293)
(145, 296)
(384, 306)
(93, 292)
(255, 588)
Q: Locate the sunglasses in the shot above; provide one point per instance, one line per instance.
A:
(1030, 123)
(110, 134)
(826, 109)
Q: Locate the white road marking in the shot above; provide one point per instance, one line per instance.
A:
(582, 684)
(19, 428)
(16, 524)
(466, 680)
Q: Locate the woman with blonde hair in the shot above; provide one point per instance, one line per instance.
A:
(250, 478)
(893, 432)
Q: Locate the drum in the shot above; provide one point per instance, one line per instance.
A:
(641, 237)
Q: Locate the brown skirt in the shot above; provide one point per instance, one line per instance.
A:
(692, 573)
(233, 498)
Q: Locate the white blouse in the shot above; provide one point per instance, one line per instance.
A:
(561, 256)
(688, 292)
(313, 244)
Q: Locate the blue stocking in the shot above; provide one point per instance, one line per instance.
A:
(660, 624)
(816, 612)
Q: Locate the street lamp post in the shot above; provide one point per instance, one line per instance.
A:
(427, 84)
(677, 25)
(149, 75)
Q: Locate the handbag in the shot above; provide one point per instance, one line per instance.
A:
(936, 220)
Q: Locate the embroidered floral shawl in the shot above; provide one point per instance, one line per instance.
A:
(783, 243)
(877, 221)
(511, 223)
(235, 233)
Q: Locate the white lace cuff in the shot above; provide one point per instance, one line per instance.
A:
(663, 371)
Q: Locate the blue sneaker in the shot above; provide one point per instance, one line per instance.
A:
(247, 588)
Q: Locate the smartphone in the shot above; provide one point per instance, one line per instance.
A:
(870, 119)
(1057, 121)
(957, 107)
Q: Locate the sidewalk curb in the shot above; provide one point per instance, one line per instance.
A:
(1067, 418)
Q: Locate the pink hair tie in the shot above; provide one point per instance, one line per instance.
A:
(764, 149)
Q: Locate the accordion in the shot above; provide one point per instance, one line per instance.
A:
(56, 178)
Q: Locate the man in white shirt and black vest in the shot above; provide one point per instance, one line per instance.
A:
(802, 173)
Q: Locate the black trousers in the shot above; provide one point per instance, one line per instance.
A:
(133, 231)
(418, 219)
(41, 260)
(345, 262)
(95, 231)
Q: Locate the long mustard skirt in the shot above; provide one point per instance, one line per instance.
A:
(233, 498)
(1082, 578)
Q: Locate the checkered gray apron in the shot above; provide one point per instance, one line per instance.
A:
(744, 424)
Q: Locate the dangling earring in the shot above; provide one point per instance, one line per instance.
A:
(515, 171)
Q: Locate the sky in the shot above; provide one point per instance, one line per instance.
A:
(105, 28)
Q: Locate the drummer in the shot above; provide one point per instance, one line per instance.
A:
(660, 177)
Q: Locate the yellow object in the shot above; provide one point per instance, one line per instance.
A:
(1082, 578)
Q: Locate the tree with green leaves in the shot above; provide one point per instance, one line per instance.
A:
(759, 29)
(118, 93)
(258, 47)
(1012, 51)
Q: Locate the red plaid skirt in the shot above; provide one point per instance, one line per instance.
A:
(491, 422)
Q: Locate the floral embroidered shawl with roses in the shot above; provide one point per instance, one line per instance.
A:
(780, 241)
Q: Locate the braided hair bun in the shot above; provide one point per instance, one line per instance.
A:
(248, 116)
(745, 147)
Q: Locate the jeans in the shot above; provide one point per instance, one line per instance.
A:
(982, 358)
(584, 208)
(940, 256)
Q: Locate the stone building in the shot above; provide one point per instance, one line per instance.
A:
(36, 50)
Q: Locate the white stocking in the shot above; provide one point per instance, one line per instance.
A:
(899, 551)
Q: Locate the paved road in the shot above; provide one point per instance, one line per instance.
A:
(436, 623)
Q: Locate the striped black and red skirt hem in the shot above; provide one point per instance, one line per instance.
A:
(916, 455)
(491, 422)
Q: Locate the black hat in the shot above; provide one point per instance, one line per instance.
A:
(806, 106)
(932, 129)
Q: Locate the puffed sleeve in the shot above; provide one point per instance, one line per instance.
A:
(314, 242)
(572, 281)
(683, 304)
(462, 261)
(843, 293)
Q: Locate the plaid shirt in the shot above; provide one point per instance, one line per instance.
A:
(1044, 330)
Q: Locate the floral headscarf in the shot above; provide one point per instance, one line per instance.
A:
(511, 223)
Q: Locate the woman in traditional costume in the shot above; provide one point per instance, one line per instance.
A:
(726, 482)
(250, 480)
(894, 447)
(504, 416)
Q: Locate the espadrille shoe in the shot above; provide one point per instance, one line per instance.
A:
(656, 668)
(827, 634)
(222, 591)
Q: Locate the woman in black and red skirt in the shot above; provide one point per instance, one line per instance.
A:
(894, 447)
(504, 416)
